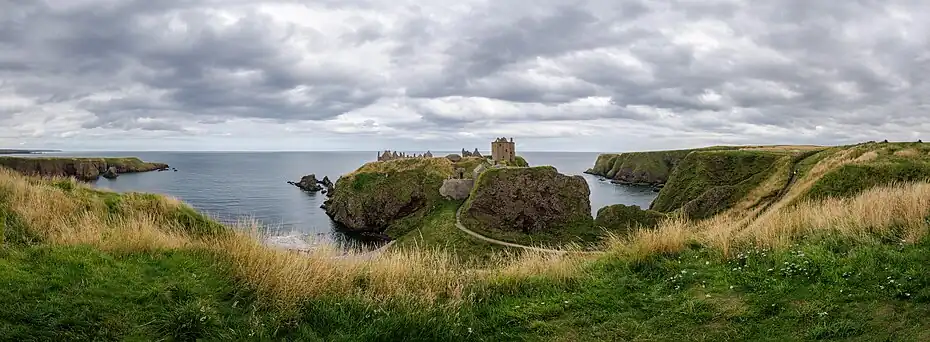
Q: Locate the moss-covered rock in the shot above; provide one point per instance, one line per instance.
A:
(621, 219)
(638, 167)
(80, 168)
(530, 205)
(707, 182)
(379, 194)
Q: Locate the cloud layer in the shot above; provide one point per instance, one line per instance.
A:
(596, 75)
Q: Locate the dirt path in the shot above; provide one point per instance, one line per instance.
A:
(460, 226)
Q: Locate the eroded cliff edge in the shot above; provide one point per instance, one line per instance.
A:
(85, 169)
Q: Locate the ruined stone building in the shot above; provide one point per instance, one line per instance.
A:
(391, 155)
(503, 150)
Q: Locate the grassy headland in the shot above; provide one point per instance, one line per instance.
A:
(80, 168)
(851, 265)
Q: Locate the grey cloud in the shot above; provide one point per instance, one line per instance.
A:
(710, 67)
(105, 47)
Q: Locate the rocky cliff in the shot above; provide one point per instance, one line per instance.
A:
(647, 168)
(81, 168)
(530, 205)
(380, 194)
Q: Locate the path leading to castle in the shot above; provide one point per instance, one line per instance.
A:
(460, 226)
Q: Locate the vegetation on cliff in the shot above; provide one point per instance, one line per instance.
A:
(535, 205)
(391, 196)
(80, 168)
(708, 182)
(839, 266)
(622, 219)
(874, 164)
(638, 167)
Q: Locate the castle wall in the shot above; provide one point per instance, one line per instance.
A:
(503, 151)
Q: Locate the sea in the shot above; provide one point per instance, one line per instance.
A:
(237, 187)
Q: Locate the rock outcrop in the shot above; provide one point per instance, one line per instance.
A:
(85, 169)
(376, 195)
(621, 219)
(328, 184)
(454, 157)
(111, 173)
(308, 183)
(639, 168)
(456, 189)
(529, 201)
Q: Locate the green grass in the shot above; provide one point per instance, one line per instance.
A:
(818, 291)
(78, 293)
(850, 180)
(824, 289)
(712, 181)
(437, 230)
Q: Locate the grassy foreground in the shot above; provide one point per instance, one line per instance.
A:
(81, 264)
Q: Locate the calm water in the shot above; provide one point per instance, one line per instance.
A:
(234, 185)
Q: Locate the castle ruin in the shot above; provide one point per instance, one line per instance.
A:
(503, 150)
(392, 155)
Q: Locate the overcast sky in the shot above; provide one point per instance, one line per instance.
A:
(595, 75)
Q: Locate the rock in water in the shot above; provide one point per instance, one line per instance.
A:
(308, 183)
(110, 173)
(529, 200)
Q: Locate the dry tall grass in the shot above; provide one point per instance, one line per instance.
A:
(284, 278)
(893, 212)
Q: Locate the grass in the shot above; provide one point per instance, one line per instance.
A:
(83, 293)
(709, 182)
(438, 232)
(81, 264)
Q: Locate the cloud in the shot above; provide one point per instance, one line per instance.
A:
(403, 74)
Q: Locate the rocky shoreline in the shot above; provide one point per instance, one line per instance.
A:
(83, 169)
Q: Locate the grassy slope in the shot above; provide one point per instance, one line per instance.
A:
(437, 231)
(708, 182)
(815, 291)
(877, 164)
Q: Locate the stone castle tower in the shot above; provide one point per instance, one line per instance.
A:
(503, 150)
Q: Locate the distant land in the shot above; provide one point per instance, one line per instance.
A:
(12, 151)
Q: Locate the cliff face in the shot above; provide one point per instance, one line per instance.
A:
(648, 168)
(379, 194)
(529, 204)
(81, 168)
